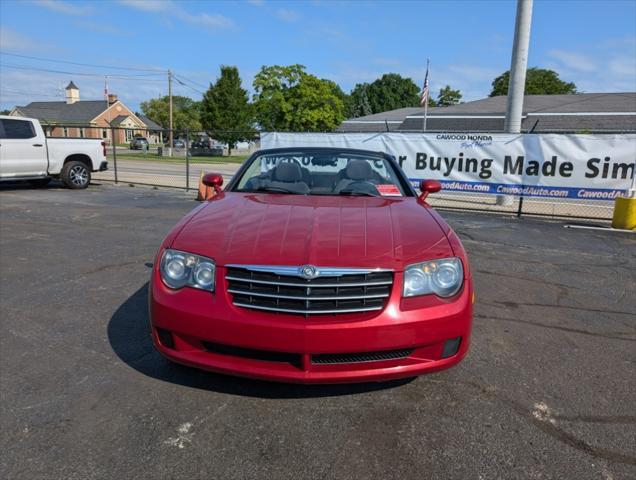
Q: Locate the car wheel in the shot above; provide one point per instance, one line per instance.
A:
(76, 175)
(40, 182)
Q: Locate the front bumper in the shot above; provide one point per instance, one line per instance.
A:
(103, 166)
(186, 322)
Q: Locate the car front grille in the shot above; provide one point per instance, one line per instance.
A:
(333, 291)
(331, 358)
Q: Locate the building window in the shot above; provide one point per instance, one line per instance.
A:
(129, 135)
(81, 132)
(104, 133)
(65, 132)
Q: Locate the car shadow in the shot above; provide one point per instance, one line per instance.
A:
(129, 336)
(53, 185)
(25, 185)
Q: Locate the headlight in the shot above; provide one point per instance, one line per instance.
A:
(442, 277)
(181, 269)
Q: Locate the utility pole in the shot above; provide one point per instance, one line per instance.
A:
(518, 66)
(170, 133)
(517, 82)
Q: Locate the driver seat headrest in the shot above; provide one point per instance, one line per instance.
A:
(287, 172)
(359, 170)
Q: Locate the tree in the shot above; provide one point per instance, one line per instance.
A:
(225, 108)
(289, 99)
(185, 112)
(447, 96)
(392, 91)
(359, 103)
(539, 81)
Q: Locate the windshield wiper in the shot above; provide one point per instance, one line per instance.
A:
(264, 188)
(357, 193)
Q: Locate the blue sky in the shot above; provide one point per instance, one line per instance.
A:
(592, 43)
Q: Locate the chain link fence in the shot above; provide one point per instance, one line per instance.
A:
(140, 156)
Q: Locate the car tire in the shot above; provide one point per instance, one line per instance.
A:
(76, 175)
(40, 182)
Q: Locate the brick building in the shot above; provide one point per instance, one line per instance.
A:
(90, 118)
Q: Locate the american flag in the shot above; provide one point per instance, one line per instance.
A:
(424, 96)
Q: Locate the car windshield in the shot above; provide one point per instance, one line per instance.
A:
(320, 173)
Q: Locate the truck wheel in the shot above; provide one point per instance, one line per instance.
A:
(76, 175)
(40, 182)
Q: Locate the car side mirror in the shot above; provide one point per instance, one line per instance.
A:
(214, 180)
(429, 186)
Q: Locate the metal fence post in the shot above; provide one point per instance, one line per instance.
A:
(187, 146)
(112, 139)
(520, 207)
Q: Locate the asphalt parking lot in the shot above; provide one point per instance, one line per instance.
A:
(547, 390)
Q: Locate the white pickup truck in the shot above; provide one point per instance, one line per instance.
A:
(27, 154)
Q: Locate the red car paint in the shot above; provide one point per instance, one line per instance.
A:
(337, 231)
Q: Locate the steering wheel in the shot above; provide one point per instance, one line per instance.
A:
(361, 186)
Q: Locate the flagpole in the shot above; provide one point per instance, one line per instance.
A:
(425, 114)
(427, 94)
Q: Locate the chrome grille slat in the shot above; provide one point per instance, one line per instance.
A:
(290, 297)
(306, 285)
(315, 312)
(331, 291)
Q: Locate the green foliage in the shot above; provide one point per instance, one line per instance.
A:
(447, 96)
(185, 112)
(359, 105)
(392, 91)
(225, 108)
(289, 99)
(5, 112)
(539, 81)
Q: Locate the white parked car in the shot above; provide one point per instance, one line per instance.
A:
(27, 154)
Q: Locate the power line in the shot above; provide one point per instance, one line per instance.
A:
(4, 90)
(112, 67)
(187, 86)
(85, 74)
(193, 82)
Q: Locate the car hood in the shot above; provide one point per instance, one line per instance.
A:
(338, 231)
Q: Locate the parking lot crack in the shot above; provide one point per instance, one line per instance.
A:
(612, 336)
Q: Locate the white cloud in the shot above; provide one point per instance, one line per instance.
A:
(623, 66)
(148, 5)
(174, 9)
(66, 8)
(205, 19)
(287, 15)
(609, 66)
(10, 40)
(573, 60)
(14, 42)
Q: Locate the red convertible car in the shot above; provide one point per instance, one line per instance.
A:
(314, 265)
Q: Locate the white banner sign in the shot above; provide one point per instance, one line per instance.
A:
(593, 167)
